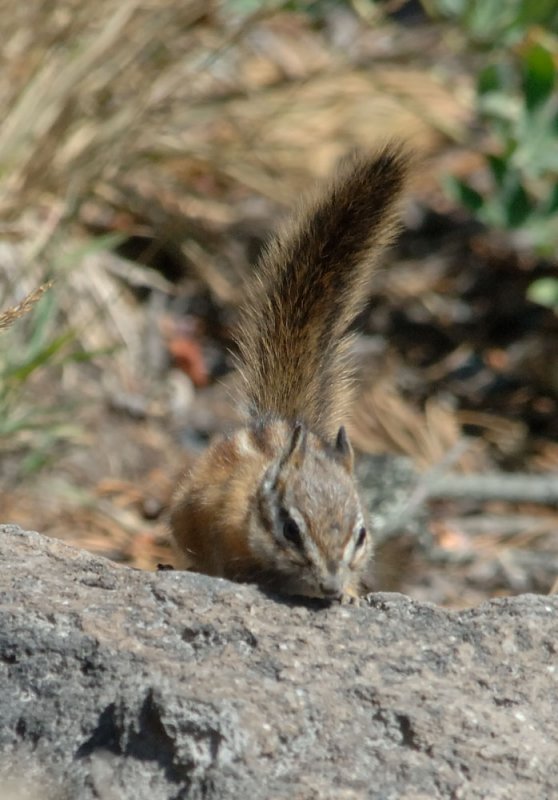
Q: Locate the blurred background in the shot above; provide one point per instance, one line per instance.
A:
(148, 149)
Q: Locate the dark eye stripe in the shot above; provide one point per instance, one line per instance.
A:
(291, 532)
(361, 538)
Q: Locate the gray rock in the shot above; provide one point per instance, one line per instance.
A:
(388, 485)
(116, 683)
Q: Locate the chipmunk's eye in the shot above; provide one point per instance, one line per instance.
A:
(291, 532)
(361, 538)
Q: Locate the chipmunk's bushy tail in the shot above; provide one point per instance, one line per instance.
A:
(310, 284)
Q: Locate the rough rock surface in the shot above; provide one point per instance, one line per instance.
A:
(116, 683)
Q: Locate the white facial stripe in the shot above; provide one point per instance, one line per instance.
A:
(349, 551)
(350, 548)
(298, 518)
(312, 551)
(310, 547)
(243, 443)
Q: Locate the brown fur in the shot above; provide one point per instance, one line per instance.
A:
(211, 504)
(276, 502)
(310, 284)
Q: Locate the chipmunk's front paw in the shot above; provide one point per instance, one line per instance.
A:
(350, 598)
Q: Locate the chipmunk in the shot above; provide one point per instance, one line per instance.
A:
(276, 502)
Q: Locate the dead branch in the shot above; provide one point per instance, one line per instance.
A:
(516, 488)
(504, 525)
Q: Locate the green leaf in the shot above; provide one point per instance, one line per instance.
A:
(498, 167)
(453, 7)
(538, 76)
(488, 20)
(79, 356)
(12, 424)
(491, 79)
(537, 12)
(466, 195)
(43, 317)
(500, 106)
(551, 205)
(542, 234)
(517, 204)
(545, 292)
(36, 460)
(21, 372)
(99, 244)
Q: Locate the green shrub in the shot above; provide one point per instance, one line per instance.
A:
(518, 105)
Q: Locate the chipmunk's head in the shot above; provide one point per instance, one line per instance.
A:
(307, 519)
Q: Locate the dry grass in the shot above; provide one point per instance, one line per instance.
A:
(167, 112)
(92, 91)
(79, 83)
(9, 316)
(383, 421)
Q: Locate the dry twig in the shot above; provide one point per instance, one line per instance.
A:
(516, 488)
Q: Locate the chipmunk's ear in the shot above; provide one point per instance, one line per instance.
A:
(343, 449)
(296, 447)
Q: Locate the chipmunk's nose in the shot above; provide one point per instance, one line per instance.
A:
(331, 587)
